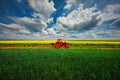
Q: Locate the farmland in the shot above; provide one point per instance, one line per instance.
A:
(38, 60)
(72, 43)
(59, 64)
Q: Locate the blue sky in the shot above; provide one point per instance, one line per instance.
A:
(66, 19)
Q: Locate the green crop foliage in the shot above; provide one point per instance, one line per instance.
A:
(59, 64)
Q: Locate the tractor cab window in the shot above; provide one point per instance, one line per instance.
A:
(59, 40)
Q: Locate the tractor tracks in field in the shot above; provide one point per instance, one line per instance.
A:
(50, 47)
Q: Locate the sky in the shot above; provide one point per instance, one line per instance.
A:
(65, 19)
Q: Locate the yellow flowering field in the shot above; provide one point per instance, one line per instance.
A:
(95, 42)
(27, 41)
(48, 42)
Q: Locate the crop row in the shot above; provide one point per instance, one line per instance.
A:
(108, 43)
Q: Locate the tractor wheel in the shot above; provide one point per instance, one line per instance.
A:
(57, 45)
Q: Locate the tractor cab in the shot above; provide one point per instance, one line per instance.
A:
(59, 40)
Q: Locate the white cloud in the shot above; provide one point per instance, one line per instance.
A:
(41, 16)
(32, 24)
(102, 34)
(96, 34)
(43, 7)
(50, 20)
(79, 23)
(69, 4)
(111, 12)
(12, 31)
(16, 31)
(86, 19)
(108, 34)
(14, 28)
(20, 32)
(79, 19)
(51, 31)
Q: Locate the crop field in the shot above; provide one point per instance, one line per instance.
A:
(39, 60)
(59, 64)
(72, 43)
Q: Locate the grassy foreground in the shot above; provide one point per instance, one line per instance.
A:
(59, 64)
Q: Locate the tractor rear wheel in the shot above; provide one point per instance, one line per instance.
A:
(57, 45)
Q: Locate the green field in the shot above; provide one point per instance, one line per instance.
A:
(59, 64)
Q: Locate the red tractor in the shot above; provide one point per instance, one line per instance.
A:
(60, 44)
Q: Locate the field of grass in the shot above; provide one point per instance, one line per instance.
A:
(59, 64)
(83, 43)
